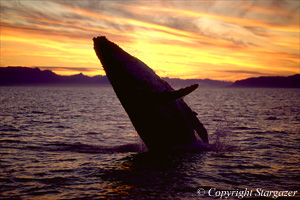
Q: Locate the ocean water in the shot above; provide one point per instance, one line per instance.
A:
(78, 143)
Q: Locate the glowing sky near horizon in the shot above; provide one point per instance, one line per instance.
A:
(216, 39)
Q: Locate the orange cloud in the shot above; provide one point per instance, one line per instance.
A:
(224, 18)
(175, 41)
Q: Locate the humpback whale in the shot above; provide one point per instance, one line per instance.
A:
(157, 111)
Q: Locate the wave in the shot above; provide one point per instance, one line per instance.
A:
(79, 147)
(8, 128)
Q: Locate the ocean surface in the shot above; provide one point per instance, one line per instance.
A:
(78, 143)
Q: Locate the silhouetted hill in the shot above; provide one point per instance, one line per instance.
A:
(270, 81)
(34, 76)
(176, 82)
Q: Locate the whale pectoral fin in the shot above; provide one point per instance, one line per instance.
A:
(185, 91)
(169, 96)
(199, 128)
(165, 96)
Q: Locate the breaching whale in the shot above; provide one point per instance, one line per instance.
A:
(157, 111)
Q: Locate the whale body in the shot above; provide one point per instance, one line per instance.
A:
(158, 112)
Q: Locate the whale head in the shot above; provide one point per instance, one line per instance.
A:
(124, 68)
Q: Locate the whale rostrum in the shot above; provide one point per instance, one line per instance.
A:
(158, 112)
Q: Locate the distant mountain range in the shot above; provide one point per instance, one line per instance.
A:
(270, 82)
(34, 76)
(177, 82)
(10, 76)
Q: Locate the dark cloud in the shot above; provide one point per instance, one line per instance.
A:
(41, 16)
(245, 72)
(258, 31)
(274, 12)
(76, 69)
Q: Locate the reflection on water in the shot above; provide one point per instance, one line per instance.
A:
(77, 142)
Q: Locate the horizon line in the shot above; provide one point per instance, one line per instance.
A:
(78, 72)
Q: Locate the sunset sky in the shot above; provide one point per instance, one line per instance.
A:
(221, 40)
